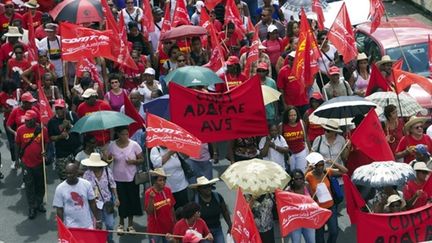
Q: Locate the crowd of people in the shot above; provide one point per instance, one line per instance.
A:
(97, 170)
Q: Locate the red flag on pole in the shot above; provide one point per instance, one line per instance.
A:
(430, 56)
(172, 136)
(342, 36)
(376, 80)
(232, 14)
(86, 64)
(369, 137)
(243, 228)
(64, 235)
(166, 23)
(181, 16)
(89, 235)
(211, 4)
(376, 11)
(253, 54)
(217, 58)
(354, 201)
(32, 48)
(147, 21)
(45, 110)
(129, 110)
(403, 79)
(299, 211)
(398, 64)
(318, 9)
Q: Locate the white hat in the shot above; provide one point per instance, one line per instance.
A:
(314, 158)
(13, 31)
(199, 5)
(421, 166)
(332, 126)
(292, 54)
(31, 4)
(149, 71)
(94, 161)
(384, 59)
(51, 27)
(89, 92)
(394, 198)
(362, 56)
(203, 181)
(158, 172)
(271, 28)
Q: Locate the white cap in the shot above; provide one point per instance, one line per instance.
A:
(292, 54)
(149, 71)
(89, 92)
(199, 5)
(314, 157)
(271, 28)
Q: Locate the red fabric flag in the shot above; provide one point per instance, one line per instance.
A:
(403, 79)
(427, 187)
(147, 21)
(342, 36)
(217, 58)
(122, 28)
(376, 80)
(204, 22)
(168, 134)
(429, 56)
(305, 63)
(354, 201)
(45, 110)
(166, 23)
(211, 4)
(64, 235)
(253, 54)
(232, 14)
(299, 211)
(86, 64)
(89, 235)
(212, 117)
(181, 16)
(110, 20)
(250, 26)
(129, 110)
(318, 9)
(369, 137)
(398, 64)
(243, 228)
(408, 226)
(32, 50)
(376, 11)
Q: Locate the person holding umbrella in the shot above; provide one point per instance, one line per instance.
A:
(415, 192)
(415, 135)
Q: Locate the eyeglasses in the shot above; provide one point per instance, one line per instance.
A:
(299, 179)
(261, 71)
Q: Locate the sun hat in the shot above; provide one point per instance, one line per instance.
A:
(60, 103)
(94, 161)
(232, 60)
(31, 4)
(271, 28)
(414, 120)
(158, 172)
(362, 56)
(149, 71)
(333, 70)
(332, 126)
(394, 198)
(262, 65)
(89, 92)
(30, 114)
(203, 181)
(384, 59)
(13, 31)
(314, 158)
(28, 97)
(421, 166)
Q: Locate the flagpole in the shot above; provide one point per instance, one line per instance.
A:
(43, 162)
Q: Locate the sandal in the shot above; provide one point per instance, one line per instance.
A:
(120, 230)
(131, 229)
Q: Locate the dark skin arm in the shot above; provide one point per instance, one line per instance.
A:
(226, 216)
(59, 212)
(95, 212)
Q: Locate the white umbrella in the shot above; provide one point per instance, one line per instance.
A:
(408, 104)
(380, 174)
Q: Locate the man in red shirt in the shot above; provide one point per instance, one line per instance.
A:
(92, 104)
(233, 76)
(8, 16)
(29, 139)
(36, 15)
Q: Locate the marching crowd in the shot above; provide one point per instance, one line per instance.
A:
(98, 169)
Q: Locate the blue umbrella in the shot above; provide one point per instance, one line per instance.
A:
(158, 107)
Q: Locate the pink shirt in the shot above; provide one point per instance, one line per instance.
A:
(274, 49)
(122, 171)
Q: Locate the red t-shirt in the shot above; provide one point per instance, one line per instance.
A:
(37, 70)
(84, 109)
(408, 141)
(33, 153)
(40, 32)
(160, 221)
(4, 21)
(6, 52)
(182, 226)
(314, 130)
(411, 188)
(294, 137)
(291, 88)
(37, 19)
(231, 80)
(4, 97)
(16, 118)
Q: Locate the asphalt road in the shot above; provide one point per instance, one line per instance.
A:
(15, 227)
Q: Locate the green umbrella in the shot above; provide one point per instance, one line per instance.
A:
(101, 120)
(193, 76)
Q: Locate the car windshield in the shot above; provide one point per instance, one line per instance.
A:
(415, 54)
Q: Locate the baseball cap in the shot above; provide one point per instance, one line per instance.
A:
(271, 28)
(422, 149)
(30, 114)
(232, 60)
(60, 103)
(89, 92)
(314, 158)
(263, 65)
(150, 71)
(334, 70)
(27, 97)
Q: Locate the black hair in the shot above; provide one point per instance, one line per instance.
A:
(195, 38)
(174, 47)
(119, 129)
(190, 209)
(18, 46)
(290, 28)
(85, 82)
(9, 86)
(285, 115)
(292, 174)
(132, 24)
(113, 76)
(389, 109)
(321, 33)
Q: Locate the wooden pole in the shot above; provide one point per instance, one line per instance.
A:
(44, 162)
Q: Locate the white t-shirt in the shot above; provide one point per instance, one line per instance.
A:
(155, 35)
(74, 199)
(54, 48)
(136, 16)
(324, 61)
(272, 154)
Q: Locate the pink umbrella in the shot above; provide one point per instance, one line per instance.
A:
(183, 31)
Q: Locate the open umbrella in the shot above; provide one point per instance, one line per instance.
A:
(380, 174)
(158, 107)
(409, 105)
(270, 95)
(256, 176)
(101, 120)
(78, 11)
(193, 76)
(183, 31)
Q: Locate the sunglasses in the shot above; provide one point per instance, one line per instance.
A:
(299, 179)
(418, 127)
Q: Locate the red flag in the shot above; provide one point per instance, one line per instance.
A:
(398, 64)
(376, 80)
(427, 187)
(32, 48)
(253, 54)
(122, 28)
(376, 11)
(110, 20)
(86, 64)
(45, 110)
(211, 4)
(317, 8)
(217, 58)
(232, 14)
(250, 26)
(243, 228)
(166, 23)
(342, 35)
(403, 79)
(129, 110)
(168, 134)
(147, 21)
(64, 235)
(212, 117)
(181, 16)
(369, 137)
(299, 211)
(305, 63)
(89, 235)
(354, 201)
(429, 56)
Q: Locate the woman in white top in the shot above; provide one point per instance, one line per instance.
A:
(274, 147)
(132, 13)
(149, 84)
(170, 162)
(361, 75)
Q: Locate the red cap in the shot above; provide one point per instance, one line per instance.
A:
(59, 103)
(334, 70)
(30, 114)
(317, 96)
(27, 97)
(8, 2)
(263, 65)
(232, 60)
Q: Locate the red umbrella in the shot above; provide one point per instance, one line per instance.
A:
(183, 31)
(78, 11)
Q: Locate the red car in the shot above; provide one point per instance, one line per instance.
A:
(412, 35)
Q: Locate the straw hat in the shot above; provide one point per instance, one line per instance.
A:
(362, 56)
(385, 59)
(421, 166)
(332, 126)
(314, 158)
(203, 181)
(31, 4)
(414, 120)
(94, 161)
(89, 92)
(158, 172)
(13, 32)
(394, 198)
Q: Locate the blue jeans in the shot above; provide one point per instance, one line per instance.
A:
(218, 235)
(308, 234)
(333, 228)
(108, 220)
